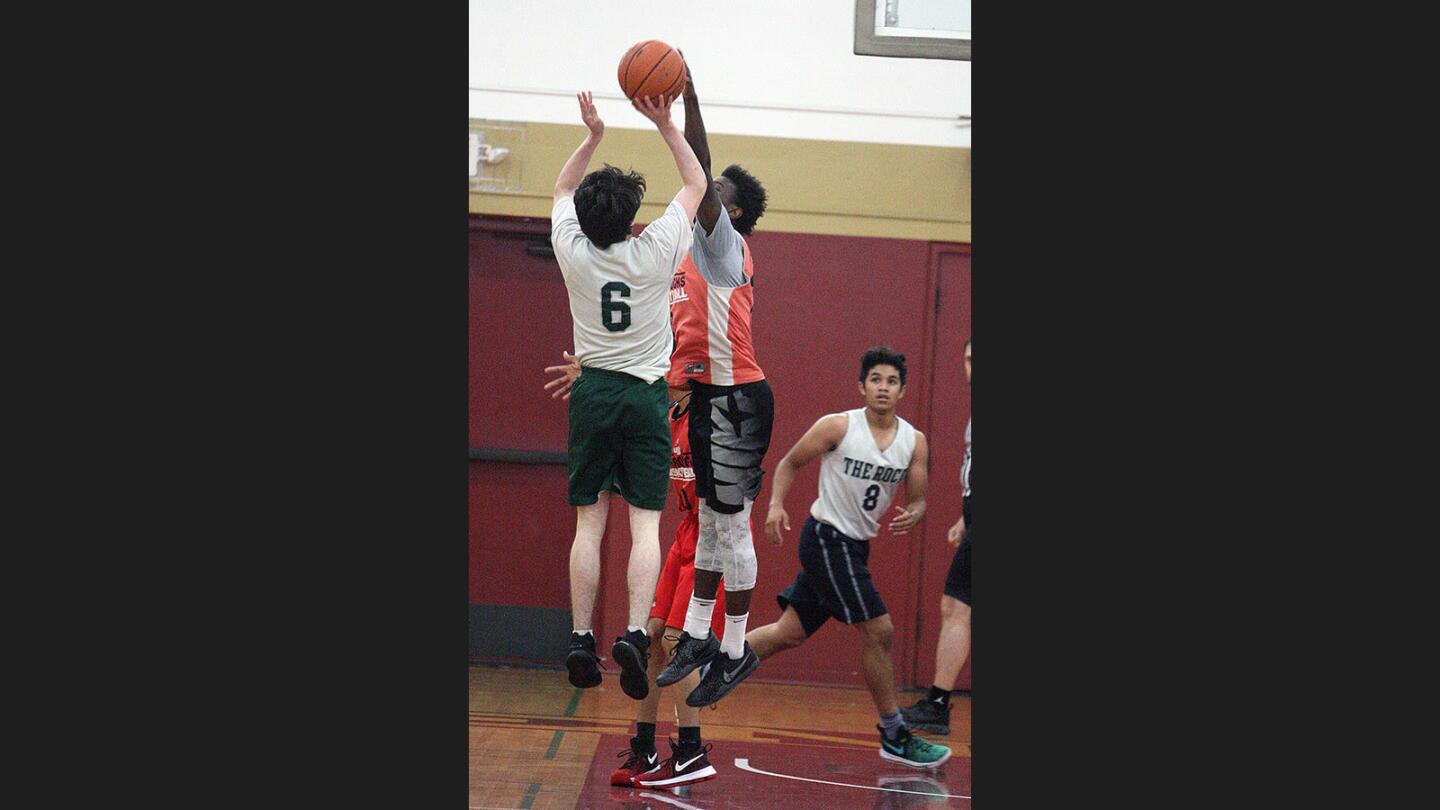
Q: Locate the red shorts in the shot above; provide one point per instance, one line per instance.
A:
(677, 580)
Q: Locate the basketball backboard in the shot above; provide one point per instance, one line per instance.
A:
(920, 29)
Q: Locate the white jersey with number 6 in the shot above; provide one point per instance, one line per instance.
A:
(857, 481)
(620, 295)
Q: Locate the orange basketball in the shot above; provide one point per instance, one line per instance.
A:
(652, 68)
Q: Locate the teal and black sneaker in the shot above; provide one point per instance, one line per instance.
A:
(907, 749)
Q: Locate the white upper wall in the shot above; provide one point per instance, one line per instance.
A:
(761, 67)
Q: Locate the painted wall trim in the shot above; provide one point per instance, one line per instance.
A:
(822, 187)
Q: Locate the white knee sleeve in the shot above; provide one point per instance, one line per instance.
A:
(708, 556)
(738, 555)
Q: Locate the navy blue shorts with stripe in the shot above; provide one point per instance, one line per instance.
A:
(833, 582)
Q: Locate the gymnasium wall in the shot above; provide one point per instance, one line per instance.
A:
(783, 70)
(821, 300)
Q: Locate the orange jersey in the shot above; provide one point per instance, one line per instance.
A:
(682, 474)
(712, 327)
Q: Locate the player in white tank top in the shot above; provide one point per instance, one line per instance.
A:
(865, 454)
(858, 479)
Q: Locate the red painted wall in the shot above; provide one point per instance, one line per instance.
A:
(517, 542)
(950, 408)
(820, 302)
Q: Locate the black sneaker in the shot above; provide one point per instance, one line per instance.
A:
(928, 715)
(725, 674)
(631, 653)
(690, 653)
(583, 663)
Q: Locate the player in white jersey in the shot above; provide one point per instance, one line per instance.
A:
(865, 454)
(619, 290)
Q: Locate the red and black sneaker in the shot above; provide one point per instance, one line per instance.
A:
(682, 768)
(636, 764)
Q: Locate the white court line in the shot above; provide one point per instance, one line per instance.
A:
(744, 765)
(669, 800)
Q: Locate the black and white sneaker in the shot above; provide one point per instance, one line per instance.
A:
(725, 674)
(690, 653)
(631, 652)
(583, 663)
(928, 715)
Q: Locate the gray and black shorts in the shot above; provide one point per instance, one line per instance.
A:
(729, 434)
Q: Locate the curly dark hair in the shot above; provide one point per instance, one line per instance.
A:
(878, 355)
(606, 202)
(749, 195)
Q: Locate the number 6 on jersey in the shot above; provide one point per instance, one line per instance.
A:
(609, 304)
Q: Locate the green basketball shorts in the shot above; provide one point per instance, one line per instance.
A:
(620, 436)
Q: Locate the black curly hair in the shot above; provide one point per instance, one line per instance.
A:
(877, 355)
(606, 202)
(749, 195)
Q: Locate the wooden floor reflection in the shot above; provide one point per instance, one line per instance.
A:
(538, 743)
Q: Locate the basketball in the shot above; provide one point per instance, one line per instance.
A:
(652, 69)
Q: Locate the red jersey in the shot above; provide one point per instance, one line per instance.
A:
(682, 474)
(712, 328)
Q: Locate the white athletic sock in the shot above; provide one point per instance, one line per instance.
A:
(733, 644)
(585, 632)
(630, 628)
(697, 618)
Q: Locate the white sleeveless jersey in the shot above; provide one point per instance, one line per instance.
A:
(857, 481)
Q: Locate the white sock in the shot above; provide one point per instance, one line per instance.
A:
(733, 643)
(585, 632)
(697, 618)
(630, 628)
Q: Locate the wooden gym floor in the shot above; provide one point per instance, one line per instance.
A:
(537, 742)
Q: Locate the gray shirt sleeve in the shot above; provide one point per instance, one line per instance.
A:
(719, 256)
